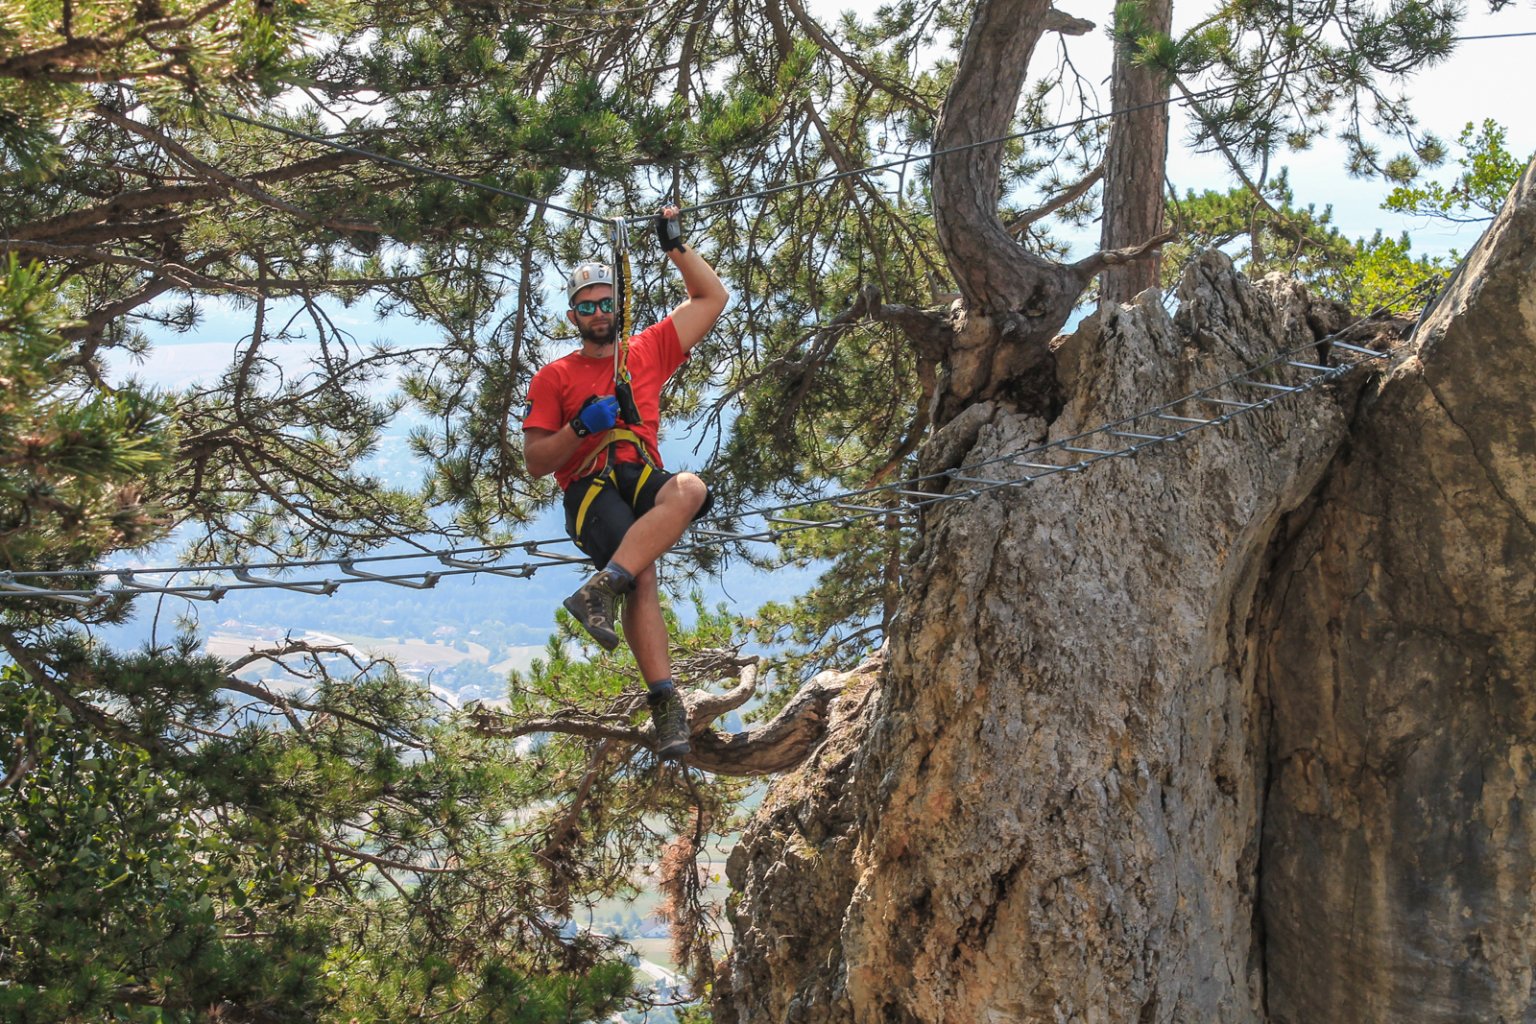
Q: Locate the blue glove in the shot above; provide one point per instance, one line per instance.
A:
(596, 414)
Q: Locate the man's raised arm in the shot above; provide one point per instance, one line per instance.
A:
(707, 296)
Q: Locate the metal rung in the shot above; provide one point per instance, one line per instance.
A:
(23, 590)
(209, 592)
(979, 480)
(460, 563)
(1346, 346)
(1261, 384)
(522, 572)
(213, 592)
(1138, 437)
(728, 534)
(428, 579)
(1088, 451)
(843, 506)
(786, 521)
(1232, 402)
(537, 552)
(756, 535)
(732, 534)
(1307, 366)
(1182, 419)
(325, 587)
(762, 536)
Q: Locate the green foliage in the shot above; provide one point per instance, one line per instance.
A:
(1488, 172)
(277, 870)
(112, 892)
(1385, 275)
(77, 459)
(1274, 235)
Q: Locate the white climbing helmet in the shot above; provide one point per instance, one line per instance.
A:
(585, 276)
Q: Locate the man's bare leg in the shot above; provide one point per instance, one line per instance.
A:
(594, 605)
(645, 630)
(633, 568)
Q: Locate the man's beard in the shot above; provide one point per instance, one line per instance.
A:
(598, 335)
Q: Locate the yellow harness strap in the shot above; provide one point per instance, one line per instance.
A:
(621, 387)
(614, 437)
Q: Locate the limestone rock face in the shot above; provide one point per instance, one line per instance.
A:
(1399, 641)
(802, 835)
(1220, 732)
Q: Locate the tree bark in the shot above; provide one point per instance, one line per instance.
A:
(1058, 790)
(1133, 166)
(1235, 731)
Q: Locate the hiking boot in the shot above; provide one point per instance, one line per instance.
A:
(596, 606)
(671, 719)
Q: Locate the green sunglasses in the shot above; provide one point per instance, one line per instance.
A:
(586, 307)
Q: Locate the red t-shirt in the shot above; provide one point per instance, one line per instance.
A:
(558, 390)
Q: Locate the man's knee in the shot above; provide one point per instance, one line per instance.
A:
(689, 491)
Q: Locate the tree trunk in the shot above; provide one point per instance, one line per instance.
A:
(1232, 730)
(1015, 300)
(1133, 166)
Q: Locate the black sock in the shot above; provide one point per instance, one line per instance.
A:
(660, 690)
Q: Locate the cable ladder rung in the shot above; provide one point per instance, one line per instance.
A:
(1346, 346)
(1287, 388)
(325, 588)
(211, 591)
(24, 590)
(726, 534)
(555, 558)
(427, 582)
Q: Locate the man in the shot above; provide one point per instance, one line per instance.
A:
(621, 507)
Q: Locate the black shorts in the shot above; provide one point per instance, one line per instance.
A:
(626, 494)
